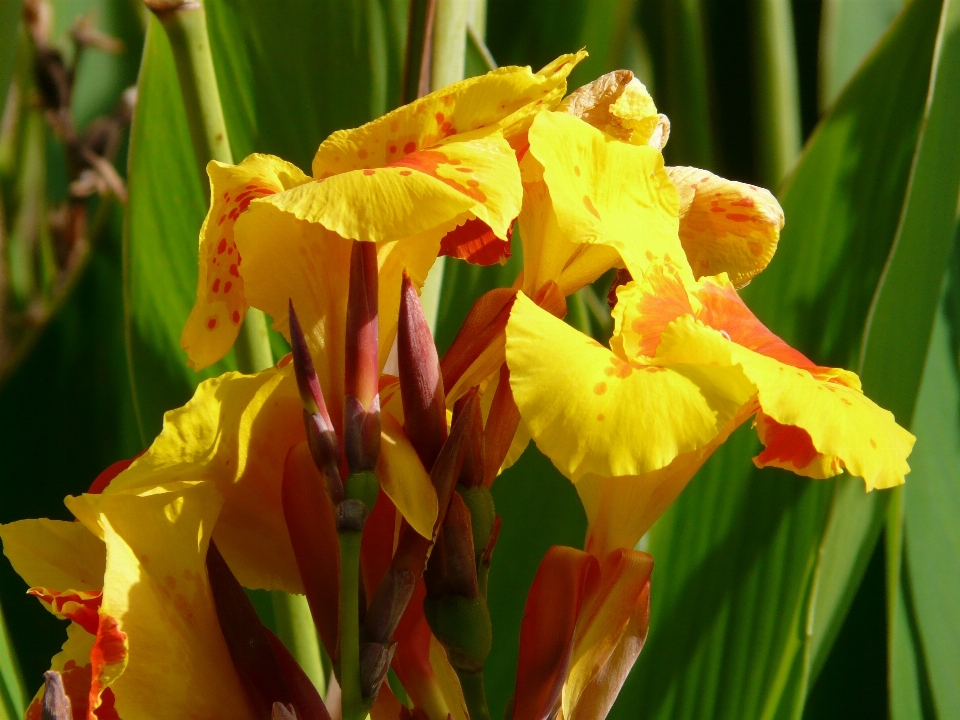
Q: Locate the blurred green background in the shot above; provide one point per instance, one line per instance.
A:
(773, 596)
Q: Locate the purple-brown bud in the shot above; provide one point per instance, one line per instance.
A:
(421, 384)
(321, 435)
(56, 703)
(452, 568)
(361, 414)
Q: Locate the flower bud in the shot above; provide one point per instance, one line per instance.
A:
(56, 704)
(321, 435)
(421, 385)
(374, 664)
(452, 569)
(361, 421)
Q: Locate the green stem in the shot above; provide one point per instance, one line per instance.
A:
(352, 700)
(777, 90)
(473, 693)
(186, 27)
(296, 630)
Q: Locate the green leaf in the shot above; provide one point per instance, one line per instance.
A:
(736, 554)
(283, 91)
(11, 686)
(903, 311)
(9, 27)
(848, 30)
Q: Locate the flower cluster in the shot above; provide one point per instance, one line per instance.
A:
(369, 492)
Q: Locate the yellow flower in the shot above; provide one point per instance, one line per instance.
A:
(596, 189)
(688, 363)
(144, 640)
(436, 176)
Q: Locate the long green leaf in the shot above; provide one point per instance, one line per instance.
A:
(903, 311)
(930, 606)
(11, 686)
(736, 554)
(848, 30)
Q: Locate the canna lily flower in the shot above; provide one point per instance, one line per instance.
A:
(592, 177)
(132, 580)
(688, 363)
(436, 177)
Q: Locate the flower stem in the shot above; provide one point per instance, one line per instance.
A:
(352, 701)
(297, 632)
(186, 28)
(777, 90)
(472, 685)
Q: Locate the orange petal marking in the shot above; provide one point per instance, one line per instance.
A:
(476, 243)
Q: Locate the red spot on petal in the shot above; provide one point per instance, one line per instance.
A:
(743, 202)
(211, 323)
(588, 203)
(409, 147)
(230, 250)
(236, 316)
(393, 149)
(473, 183)
(716, 209)
(227, 287)
(222, 218)
(440, 118)
(467, 170)
(369, 172)
(600, 417)
(222, 246)
(405, 172)
(737, 217)
(576, 170)
(600, 388)
(362, 154)
(234, 271)
(216, 285)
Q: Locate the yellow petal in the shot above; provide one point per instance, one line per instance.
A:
(428, 190)
(156, 588)
(619, 105)
(235, 432)
(726, 226)
(590, 411)
(221, 302)
(840, 421)
(620, 510)
(607, 192)
(54, 554)
(447, 680)
(506, 98)
(404, 479)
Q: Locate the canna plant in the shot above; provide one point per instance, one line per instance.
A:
(368, 491)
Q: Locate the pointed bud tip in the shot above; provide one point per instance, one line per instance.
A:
(421, 384)
(56, 703)
(307, 381)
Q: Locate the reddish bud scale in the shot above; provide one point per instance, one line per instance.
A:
(307, 381)
(306, 700)
(246, 638)
(362, 368)
(452, 567)
(309, 514)
(502, 423)
(421, 384)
